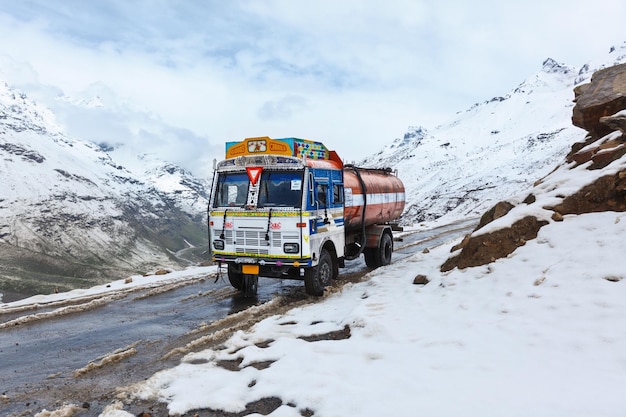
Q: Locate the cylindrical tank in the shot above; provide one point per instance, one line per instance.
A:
(378, 190)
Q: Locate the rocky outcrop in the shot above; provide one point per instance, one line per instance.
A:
(601, 110)
(604, 96)
(486, 248)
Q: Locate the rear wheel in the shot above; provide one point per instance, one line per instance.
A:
(385, 249)
(370, 257)
(381, 255)
(320, 276)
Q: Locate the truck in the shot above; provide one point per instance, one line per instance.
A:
(290, 208)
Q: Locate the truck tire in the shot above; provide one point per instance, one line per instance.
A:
(250, 285)
(370, 257)
(320, 276)
(381, 255)
(235, 277)
(385, 249)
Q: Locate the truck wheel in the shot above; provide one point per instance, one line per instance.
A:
(250, 285)
(381, 255)
(235, 277)
(319, 277)
(385, 249)
(370, 257)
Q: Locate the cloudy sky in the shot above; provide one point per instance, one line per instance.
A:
(179, 78)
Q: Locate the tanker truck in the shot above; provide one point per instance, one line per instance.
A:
(289, 208)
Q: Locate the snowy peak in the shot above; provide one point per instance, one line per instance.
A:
(18, 113)
(550, 66)
(615, 55)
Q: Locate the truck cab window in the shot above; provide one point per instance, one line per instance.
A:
(337, 194)
(232, 190)
(280, 189)
(322, 190)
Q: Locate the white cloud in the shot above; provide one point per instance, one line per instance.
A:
(332, 71)
(282, 108)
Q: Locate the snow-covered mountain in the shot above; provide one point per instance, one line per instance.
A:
(492, 150)
(71, 215)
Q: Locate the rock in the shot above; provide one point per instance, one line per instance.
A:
(616, 121)
(607, 193)
(461, 245)
(497, 211)
(601, 152)
(605, 96)
(486, 248)
(557, 217)
(583, 156)
(530, 199)
(605, 156)
(420, 280)
(162, 272)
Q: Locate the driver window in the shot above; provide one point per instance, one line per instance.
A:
(321, 193)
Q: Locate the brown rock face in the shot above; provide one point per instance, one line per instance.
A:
(606, 194)
(497, 211)
(482, 249)
(606, 95)
(616, 122)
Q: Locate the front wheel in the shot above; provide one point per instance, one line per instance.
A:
(250, 285)
(235, 277)
(320, 276)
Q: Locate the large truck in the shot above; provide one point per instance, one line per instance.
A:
(289, 208)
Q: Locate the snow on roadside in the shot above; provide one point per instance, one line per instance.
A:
(537, 333)
(135, 282)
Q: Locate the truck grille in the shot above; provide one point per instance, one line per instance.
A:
(253, 241)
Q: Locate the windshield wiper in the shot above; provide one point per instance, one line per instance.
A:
(269, 223)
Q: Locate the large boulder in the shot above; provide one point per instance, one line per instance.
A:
(604, 96)
(485, 248)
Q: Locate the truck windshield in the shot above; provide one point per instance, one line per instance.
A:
(280, 189)
(232, 190)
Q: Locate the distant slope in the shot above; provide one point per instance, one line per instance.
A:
(70, 216)
(494, 149)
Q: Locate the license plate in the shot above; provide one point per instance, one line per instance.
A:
(250, 269)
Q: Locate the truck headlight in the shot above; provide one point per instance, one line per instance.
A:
(291, 247)
(218, 244)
